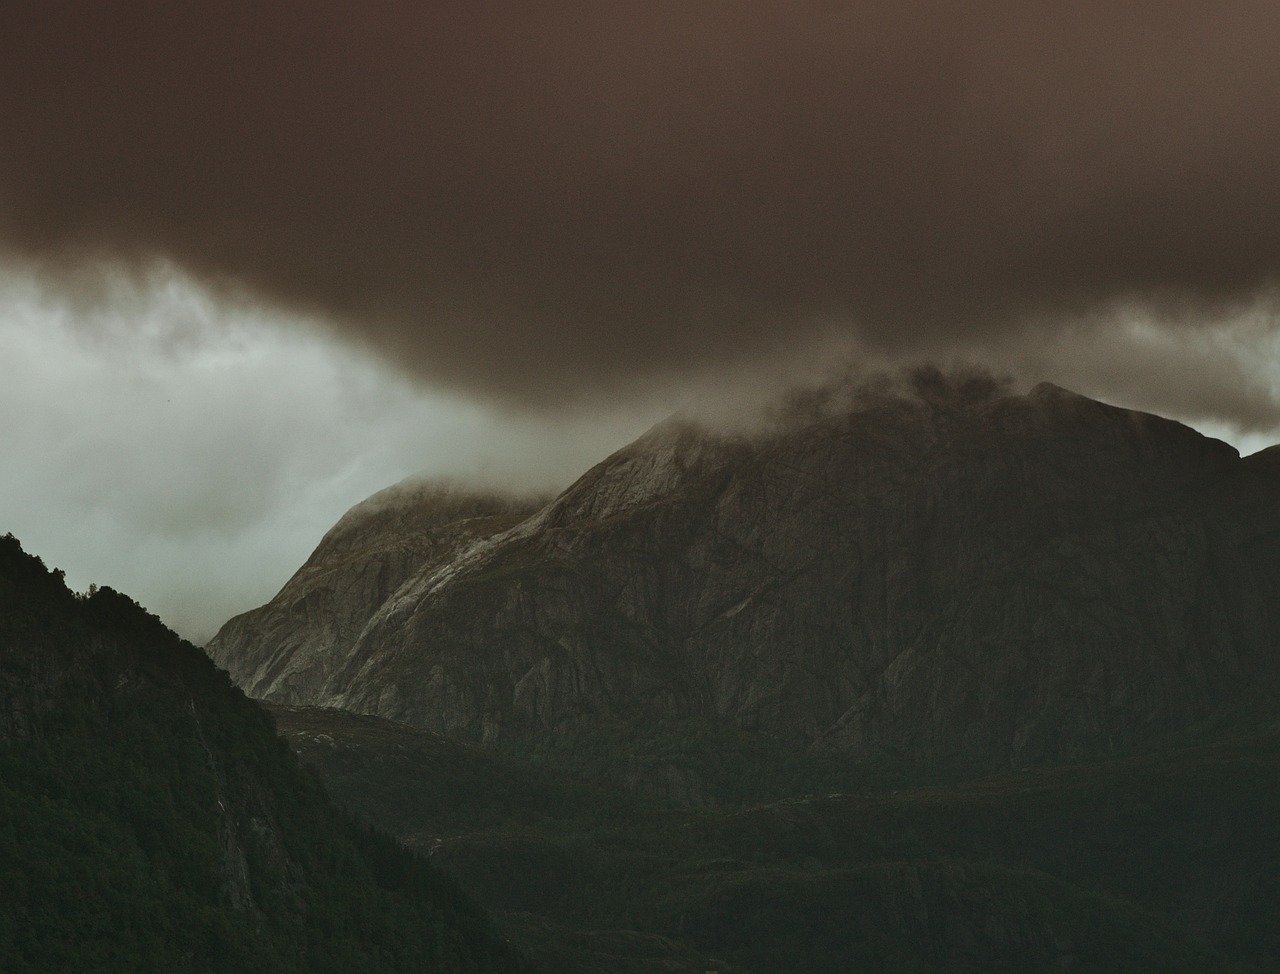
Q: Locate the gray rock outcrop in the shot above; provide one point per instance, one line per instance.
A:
(289, 649)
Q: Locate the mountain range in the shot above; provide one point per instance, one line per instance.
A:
(946, 576)
(928, 676)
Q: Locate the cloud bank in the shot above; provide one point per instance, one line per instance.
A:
(541, 202)
(193, 456)
(191, 450)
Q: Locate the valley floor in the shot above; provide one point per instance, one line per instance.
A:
(1165, 861)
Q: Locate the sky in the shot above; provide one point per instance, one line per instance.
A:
(258, 260)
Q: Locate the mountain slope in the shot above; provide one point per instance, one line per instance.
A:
(151, 819)
(289, 649)
(951, 577)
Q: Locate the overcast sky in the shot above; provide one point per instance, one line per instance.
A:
(258, 260)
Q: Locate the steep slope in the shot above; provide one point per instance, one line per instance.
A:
(290, 648)
(151, 819)
(941, 578)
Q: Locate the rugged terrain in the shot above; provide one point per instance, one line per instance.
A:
(289, 648)
(933, 678)
(949, 577)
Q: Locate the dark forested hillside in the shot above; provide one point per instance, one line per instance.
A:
(1159, 863)
(152, 820)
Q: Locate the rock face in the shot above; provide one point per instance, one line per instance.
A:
(289, 649)
(939, 578)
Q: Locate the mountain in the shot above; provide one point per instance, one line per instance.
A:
(952, 576)
(935, 678)
(152, 820)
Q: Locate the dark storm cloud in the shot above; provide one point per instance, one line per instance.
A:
(538, 200)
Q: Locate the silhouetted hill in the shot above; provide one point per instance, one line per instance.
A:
(152, 820)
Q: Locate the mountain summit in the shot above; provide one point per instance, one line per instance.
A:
(935, 578)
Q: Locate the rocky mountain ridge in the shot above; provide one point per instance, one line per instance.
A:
(360, 563)
(948, 577)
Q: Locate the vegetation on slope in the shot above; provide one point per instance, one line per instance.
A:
(152, 820)
(1165, 861)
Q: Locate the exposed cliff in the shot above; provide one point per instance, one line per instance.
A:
(936, 578)
(289, 649)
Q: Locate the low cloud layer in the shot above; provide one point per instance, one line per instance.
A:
(192, 456)
(191, 451)
(537, 203)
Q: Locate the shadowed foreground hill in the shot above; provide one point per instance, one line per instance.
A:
(152, 820)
